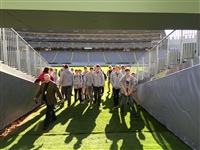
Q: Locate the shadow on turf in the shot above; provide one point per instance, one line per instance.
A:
(24, 142)
(82, 123)
(166, 139)
(108, 102)
(117, 130)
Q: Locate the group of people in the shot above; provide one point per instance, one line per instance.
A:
(88, 87)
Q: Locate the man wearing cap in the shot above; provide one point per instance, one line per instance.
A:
(48, 89)
(126, 91)
(109, 72)
(98, 82)
(115, 78)
(66, 81)
(88, 85)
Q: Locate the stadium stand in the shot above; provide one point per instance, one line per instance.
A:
(96, 56)
(63, 57)
(48, 55)
(112, 57)
(139, 54)
(125, 56)
(84, 56)
(80, 56)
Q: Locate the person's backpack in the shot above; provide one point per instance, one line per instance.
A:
(80, 77)
(59, 72)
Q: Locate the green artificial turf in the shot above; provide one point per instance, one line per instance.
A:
(82, 127)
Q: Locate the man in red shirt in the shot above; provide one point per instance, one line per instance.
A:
(45, 71)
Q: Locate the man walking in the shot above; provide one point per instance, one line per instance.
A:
(98, 82)
(126, 91)
(88, 85)
(48, 89)
(114, 79)
(77, 86)
(66, 81)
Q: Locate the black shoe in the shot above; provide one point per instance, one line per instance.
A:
(139, 106)
(127, 103)
(44, 128)
(54, 119)
(55, 106)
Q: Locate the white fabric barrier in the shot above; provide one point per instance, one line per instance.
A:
(174, 101)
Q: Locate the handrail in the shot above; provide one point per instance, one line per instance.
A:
(17, 53)
(27, 43)
(156, 45)
(171, 51)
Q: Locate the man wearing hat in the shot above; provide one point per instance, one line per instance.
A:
(126, 91)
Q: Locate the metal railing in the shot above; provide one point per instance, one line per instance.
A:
(176, 48)
(17, 53)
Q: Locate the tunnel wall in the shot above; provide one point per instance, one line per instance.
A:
(16, 97)
(174, 101)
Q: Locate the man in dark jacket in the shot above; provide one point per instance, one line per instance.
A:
(48, 90)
